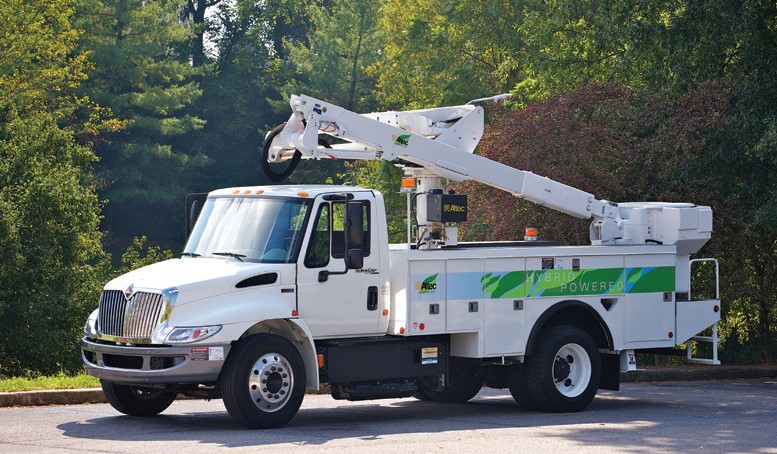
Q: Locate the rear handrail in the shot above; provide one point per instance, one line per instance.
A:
(717, 276)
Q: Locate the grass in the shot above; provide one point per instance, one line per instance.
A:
(60, 381)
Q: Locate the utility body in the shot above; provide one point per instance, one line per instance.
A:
(286, 288)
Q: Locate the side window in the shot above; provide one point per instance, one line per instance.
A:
(338, 236)
(318, 250)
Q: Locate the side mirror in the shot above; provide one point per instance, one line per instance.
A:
(354, 235)
(192, 207)
(194, 213)
(354, 259)
(354, 226)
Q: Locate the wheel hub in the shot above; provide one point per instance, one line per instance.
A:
(561, 369)
(270, 382)
(572, 370)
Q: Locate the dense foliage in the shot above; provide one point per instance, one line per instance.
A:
(52, 260)
(111, 111)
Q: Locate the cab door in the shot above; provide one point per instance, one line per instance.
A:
(334, 304)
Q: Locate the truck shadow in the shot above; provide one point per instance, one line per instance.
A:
(612, 421)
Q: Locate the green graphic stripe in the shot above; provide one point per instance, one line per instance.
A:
(598, 281)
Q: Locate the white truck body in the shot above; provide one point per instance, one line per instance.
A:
(277, 291)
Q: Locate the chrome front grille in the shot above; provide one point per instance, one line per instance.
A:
(132, 319)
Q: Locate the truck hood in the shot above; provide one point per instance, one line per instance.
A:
(197, 278)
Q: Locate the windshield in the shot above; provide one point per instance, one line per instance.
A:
(266, 230)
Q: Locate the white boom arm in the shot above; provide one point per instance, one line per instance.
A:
(442, 141)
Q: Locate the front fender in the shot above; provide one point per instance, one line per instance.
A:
(249, 313)
(235, 312)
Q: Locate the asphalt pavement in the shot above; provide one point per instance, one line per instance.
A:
(718, 416)
(657, 374)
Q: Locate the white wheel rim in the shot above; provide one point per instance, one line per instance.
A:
(270, 382)
(571, 370)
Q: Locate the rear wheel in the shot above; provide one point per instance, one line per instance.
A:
(263, 382)
(564, 372)
(137, 400)
(463, 383)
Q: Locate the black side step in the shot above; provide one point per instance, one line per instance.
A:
(371, 391)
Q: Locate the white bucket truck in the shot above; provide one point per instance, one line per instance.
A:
(281, 289)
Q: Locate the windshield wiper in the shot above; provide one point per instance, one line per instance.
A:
(230, 254)
(189, 254)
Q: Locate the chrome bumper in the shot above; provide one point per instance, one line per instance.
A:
(137, 365)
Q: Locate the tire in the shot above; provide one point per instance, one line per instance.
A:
(464, 381)
(564, 372)
(263, 383)
(137, 400)
(519, 389)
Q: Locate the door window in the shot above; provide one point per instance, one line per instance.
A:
(328, 238)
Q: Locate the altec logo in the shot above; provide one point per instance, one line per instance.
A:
(402, 140)
(452, 208)
(429, 285)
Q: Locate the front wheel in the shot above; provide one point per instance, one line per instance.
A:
(137, 400)
(263, 382)
(564, 372)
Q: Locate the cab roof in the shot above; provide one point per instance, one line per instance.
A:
(304, 191)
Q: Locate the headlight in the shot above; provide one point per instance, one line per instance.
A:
(191, 334)
(90, 328)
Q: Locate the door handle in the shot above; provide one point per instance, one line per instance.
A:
(372, 298)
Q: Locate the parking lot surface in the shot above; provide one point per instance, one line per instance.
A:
(711, 416)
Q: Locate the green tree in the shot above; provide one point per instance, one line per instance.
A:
(241, 97)
(38, 65)
(331, 62)
(445, 52)
(145, 81)
(52, 264)
(344, 41)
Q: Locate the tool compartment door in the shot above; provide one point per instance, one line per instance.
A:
(650, 314)
(504, 283)
(427, 295)
(465, 295)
